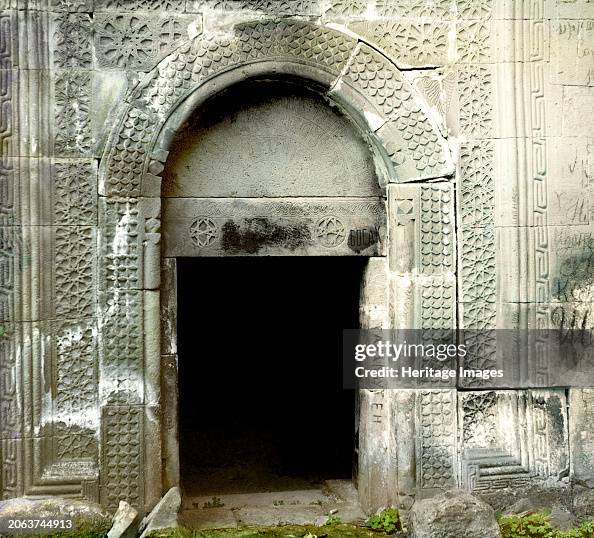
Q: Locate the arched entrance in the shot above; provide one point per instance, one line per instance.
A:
(271, 208)
(405, 147)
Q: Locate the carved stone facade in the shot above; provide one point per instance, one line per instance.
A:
(475, 205)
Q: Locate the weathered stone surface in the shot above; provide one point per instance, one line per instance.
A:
(581, 437)
(583, 502)
(325, 226)
(451, 515)
(125, 522)
(87, 515)
(92, 93)
(513, 458)
(165, 515)
(270, 132)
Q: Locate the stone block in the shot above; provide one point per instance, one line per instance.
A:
(129, 243)
(512, 438)
(273, 133)
(93, 517)
(453, 514)
(572, 43)
(409, 43)
(268, 7)
(572, 9)
(109, 89)
(122, 456)
(578, 106)
(545, 264)
(125, 522)
(146, 40)
(168, 306)
(571, 189)
(423, 233)
(165, 515)
(73, 102)
(581, 402)
(240, 227)
(121, 350)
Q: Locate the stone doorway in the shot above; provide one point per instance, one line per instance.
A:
(270, 197)
(263, 417)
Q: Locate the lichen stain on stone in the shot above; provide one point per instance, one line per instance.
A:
(256, 233)
(575, 279)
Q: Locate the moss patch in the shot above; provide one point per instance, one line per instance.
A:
(288, 531)
(538, 525)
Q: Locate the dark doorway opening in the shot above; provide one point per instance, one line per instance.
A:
(261, 402)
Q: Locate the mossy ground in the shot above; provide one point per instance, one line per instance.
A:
(289, 531)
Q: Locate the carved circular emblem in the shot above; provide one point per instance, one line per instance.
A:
(330, 231)
(203, 231)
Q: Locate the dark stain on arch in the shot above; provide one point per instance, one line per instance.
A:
(254, 234)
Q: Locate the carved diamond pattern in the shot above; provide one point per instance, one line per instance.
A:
(126, 163)
(369, 72)
(122, 456)
(436, 466)
(437, 309)
(122, 352)
(121, 245)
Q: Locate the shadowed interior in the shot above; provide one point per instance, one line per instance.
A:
(260, 372)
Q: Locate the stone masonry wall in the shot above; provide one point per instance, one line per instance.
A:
(508, 83)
